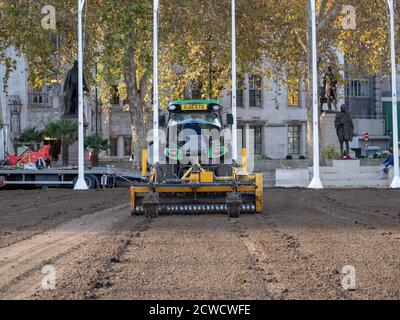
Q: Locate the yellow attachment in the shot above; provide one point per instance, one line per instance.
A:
(154, 175)
(133, 198)
(187, 174)
(189, 189)
(244, 161)
(144, 162)
(259, 192)
(194, 177)
(206, 176)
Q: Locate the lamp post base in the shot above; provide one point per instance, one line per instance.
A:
(81, 184)
(395, 183)
(316, 184)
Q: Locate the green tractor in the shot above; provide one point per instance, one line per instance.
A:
(197, 174)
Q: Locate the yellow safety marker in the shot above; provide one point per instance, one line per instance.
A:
(144, 162)
(244, 161)
(259, 192)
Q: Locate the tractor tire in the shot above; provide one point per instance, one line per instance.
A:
(150, 205)
(233, 203)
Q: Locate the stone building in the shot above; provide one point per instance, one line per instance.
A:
(275, 115)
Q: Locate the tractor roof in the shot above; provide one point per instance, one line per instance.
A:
(185, 102)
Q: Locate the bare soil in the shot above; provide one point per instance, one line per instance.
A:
(296, 249)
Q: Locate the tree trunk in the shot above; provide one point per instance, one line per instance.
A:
(65, 154)
(95, 159)
(135, 99)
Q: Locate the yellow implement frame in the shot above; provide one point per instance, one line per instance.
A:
(196, 182)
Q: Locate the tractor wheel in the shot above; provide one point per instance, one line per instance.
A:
(233, 203)
(150, 205)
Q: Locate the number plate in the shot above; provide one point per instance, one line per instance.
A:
(194, 107)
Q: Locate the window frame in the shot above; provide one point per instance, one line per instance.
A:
(255, 92)
(293, 90)
(294, 139)
(39, 97)
(357, 92)
(258, 139)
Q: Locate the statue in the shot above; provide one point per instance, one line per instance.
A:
(330, 89)
(344, 129)
(71, 90)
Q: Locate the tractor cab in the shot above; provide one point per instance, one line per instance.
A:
(195, 132)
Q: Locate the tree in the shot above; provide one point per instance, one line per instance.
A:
(118, 39)
(288, 40)
(30, 137)
(96, 144)
(66, 131)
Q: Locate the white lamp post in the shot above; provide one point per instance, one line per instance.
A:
(396, 180)
(234, 111)
(81, 183)
(155, 83)
(316, 181)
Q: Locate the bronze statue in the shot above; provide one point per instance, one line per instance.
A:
(330, 89)
(71, 90)
(344, 129)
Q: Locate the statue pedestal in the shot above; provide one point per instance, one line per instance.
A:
(328, 131)
(346, 164)
(73, 148)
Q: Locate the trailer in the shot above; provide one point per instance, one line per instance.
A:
(96, 177)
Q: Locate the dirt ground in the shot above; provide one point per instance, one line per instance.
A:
(297, 249)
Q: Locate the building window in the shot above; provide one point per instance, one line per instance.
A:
(293, 94)
(39, 96)
(293, 140)
(357, 88)
(255, 91)
(257, 139)
(114, 99)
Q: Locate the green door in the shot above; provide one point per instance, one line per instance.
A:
(388, 115)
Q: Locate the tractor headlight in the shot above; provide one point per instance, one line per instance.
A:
(173, 153)
(217, 152)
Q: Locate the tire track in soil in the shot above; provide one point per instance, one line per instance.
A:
(278, 274)
(92, 269)
(21, 263)
(103, 279)
(259, 259)
(30, 220)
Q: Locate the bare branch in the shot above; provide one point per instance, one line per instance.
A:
(329, 17)
(300, 40)
(322, 9)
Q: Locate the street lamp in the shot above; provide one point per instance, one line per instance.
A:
(155, 83)
(316, 181)
(396, 180)
(80, 183)
(234, 109)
